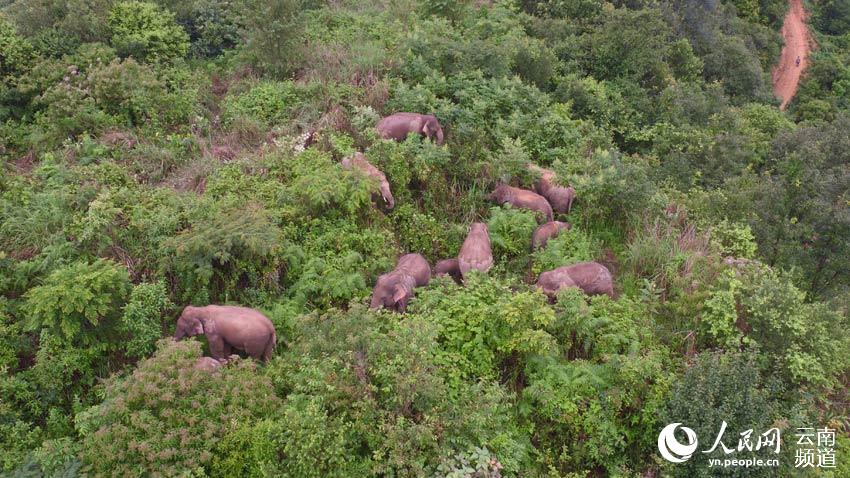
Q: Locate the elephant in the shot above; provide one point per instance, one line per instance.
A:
(359, 162)
(591, 277)
(448, 267)
(398, 125)
(559, 197)
(521, 198)
(394, 289)
(547, 231)
(208, 364)
(227, 328)
(475, 253)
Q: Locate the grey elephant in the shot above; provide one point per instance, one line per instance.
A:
(547, 231)
(228, 328)
(398, 125)
(560, 198)
(208, 364)
(359, 162)
(475, 253)
(521, 198)
(591, 277)
(448, 267)
(394, 289)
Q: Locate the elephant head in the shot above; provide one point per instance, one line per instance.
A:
(432, 129)
(393, 291)
(190, 323)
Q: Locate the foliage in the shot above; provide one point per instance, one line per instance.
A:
(167, 417)
(375, 384)
(77, 302)
(483, 327)
(187, 152)
(229, 248)
(730, 390)
(143, 317)
(510, 233)
(267, 102)
(17, 52)
(145, 32)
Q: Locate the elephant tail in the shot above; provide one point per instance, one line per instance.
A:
(270, 346)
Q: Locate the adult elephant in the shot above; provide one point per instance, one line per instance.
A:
(561, 198)
(394, 289)
(359, 162)
(227, 328)
(591, 277)
(476, 252)
(522, 198)
(398, 125)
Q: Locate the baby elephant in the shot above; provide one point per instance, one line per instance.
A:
(547, 231)
(448, 267)
(208, 364)
(522, 198)
(359, 162)
(397, 126)
(561, 198)
(394, 289)
(475, 253)
(228, 328)
(591, 277)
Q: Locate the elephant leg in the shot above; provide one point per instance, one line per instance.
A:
(217, 347)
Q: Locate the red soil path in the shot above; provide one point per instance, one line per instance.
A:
(798, 43)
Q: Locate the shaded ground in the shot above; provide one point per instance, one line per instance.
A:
(795, 32)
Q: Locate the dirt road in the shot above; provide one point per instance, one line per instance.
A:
(798, 43)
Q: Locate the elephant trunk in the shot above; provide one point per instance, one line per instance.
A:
(439, 137)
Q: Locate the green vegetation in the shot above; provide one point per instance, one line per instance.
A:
(154, 157)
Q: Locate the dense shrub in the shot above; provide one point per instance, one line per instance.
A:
(230, 254)
(145, 32)
(269, 102)
(485, 330)
(167, 417)
(78, 302)
(375, 386)
(16, 53)
(143, 317)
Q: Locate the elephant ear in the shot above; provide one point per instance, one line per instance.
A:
(196, 327)
(399, 293)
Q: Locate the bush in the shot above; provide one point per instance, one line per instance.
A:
(510, 235)
(16, 53)
(79, 301)
(730, 389)
(269, 102)
(143, 316)
(167, 417)
(371, 388)
(568, 248)
(271, 35)
(146, 32)
(484, 329)
(594, 401)
(226, 256)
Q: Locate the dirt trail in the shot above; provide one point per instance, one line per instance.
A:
(798, 43)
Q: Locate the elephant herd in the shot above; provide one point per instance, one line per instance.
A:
(231, 328)
(394, 289)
